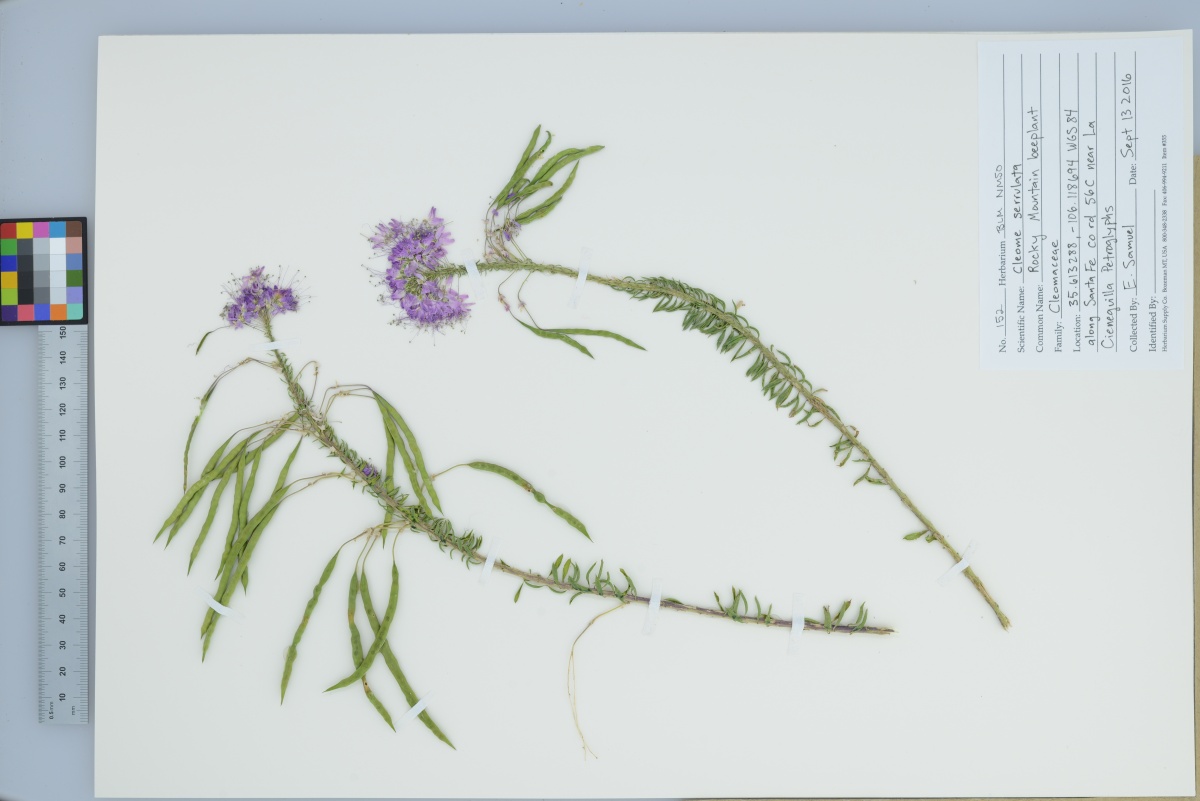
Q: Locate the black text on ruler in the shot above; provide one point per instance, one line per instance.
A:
(63, 524)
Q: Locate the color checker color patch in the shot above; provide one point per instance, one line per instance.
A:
(43, 271)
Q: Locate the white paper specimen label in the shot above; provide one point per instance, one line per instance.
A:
(1084, 255)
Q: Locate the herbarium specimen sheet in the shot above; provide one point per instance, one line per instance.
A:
(586, 416)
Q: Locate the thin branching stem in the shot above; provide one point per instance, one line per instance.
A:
(771, 357)
(320, 430)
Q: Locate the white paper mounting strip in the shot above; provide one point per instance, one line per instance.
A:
(217, 606)
(585, 263)
(797, 623)
(653, 607)
(475, 279)
(959, 566)
(493, 551)
(414, 710)
(279, 344)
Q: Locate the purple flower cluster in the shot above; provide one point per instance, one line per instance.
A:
(256, 294)
(414, 250)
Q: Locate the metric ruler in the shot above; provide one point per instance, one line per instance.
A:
(62, 353)
(43, 283)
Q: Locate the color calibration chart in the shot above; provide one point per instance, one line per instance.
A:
(43, 271)
(43, 282)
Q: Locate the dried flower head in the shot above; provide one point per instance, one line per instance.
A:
(414, 250)
(257, 296)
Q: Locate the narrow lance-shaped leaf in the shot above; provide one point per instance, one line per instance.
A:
(571, 519)
(205, 337)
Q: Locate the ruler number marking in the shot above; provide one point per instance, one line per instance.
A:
(62, 599)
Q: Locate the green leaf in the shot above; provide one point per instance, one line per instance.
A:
(572, 520)
(308, 610)
(201, 345)
(861, 621)
(916, 535)
(837, 619)
(541, 332)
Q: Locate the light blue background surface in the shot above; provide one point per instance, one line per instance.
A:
(47, 165)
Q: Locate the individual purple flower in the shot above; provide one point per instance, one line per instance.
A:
(256, 295)
(369, 471)
(415, 250)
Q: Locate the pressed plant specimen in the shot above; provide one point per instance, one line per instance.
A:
(530, 195)
(402, 486)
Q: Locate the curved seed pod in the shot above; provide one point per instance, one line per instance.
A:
(395, 440)
(208, 521)
(356, 652)
(544, 334)
(595, 332)
(242, 547)
(405, 442)
(571, 519)
(351, 607)
(234, 517)
(292, 651)
(393, 664)
(380, 635)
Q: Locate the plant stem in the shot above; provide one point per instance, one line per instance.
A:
(320, 430)
(849, 433)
